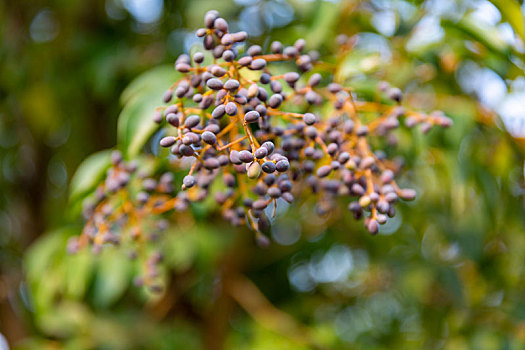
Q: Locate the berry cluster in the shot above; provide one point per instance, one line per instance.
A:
(265, 134)
(270, 132)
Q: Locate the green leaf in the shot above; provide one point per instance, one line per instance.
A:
(511, 12)
(180, 249)
(112, 278)
(140, 99)
(43, 252)
(77, 273)
(89, 174)
(324, 21)
(66, 319)
(486, 36)
(44, 267)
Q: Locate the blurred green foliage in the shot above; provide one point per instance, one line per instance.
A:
(447, 273)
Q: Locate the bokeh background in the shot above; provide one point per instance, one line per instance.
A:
(447, 273)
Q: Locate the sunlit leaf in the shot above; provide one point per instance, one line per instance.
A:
(511, 12)
(487, 36)
(89, 173)
(141, 97)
